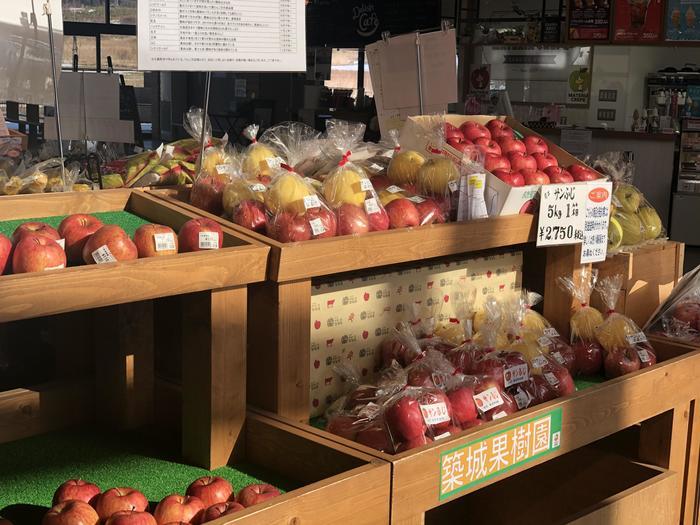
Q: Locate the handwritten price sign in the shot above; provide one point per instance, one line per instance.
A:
(562, 214)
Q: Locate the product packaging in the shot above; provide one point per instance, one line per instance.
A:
(678, 317)
(259, 158)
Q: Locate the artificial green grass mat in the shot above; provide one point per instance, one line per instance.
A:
(31, 469)
(582, 383)
(128, 221)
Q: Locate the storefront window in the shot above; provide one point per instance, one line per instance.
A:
(87, 52)
(122, 12)
(122, 49)
(84, 11)
(344, 64)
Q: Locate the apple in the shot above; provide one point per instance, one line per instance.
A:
(76, 489)
(405, 419)
(392, 349)
(207, 194)
(535, 144)
(121, 498)
(420, 375)
(251, 215)
(200, 234)
(147, 243)
(34, 228)
(120, 246)
(254, 494)
(492, 367)
(582, 173)
(5, 250)
(463, 407)
(210, 489)
(563, 354)
(453, 132)
(71, 512)
(687, 312)
(647, 355)
(413, 443)
(496, 162)
(131, 517)
(621, 361)
(560, 379)
(379, 220)
(220, 509)
(521, 161)
(352, 220)
(509, 145)
(344, 426)
(178, 508)
(290, 227)
(463, 146)
(545, 160)
(589, 357)
(513, 178)
(473, 130)
(76, 229)
(533, 177)
(543, 390)
(430, 212)
(380, 182)
(362, 395)
(498, 129)
(375, 436)
(323, 219)
(488, 146)
(37, 253)
(558, 175)
(402, 214)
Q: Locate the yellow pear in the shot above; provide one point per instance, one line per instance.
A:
(435, 175)
(404, 167)
(286, 193)
(632, 229)
(651, 222)
(344, 186)
(237, 191)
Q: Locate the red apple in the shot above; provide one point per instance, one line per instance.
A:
(76, 229)
(254, 494)
(488, 146)
(352, 220)
(496, 162)
(558, 175)
(76, 489)
(473, 130)
(563, 354)
(413, 443)
(452, 132)
(498, 129)
(122, 498)
(116, 241)
(589, 357)
(463, 407)
(545, 160)
(492, 367)
(37, 253)
(5, 250)
(375, 436)
(430, 212)
(647, 355)
(534, 177)
(210, 489)
(513, 178)
(582, 173)
(362, 395)
(379, 220)
(535, 144)
(420, 375)
(405, 419)
(322, 222)
(509, 145)
(402, 214)
(379, 183)
(465, 147)
(344, 426)
(131, 517)
(200, 234)
(220, 509)
(207, 194)
(621, 361)
(251, 215)
(521, 161)
(178, 508)
(72, 512)
(687, 312)
(34, 228)
(560, 379)
(148, 245)
(289, 227)
(543, 390)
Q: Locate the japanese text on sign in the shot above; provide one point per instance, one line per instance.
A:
(476, 462)
(562, 214)
(595, 231)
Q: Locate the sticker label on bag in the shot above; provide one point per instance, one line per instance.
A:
(371, 206)
(499, 415)
(393, 189)
(435, 413)
(317, 227)
(258, 187)
(62, 244)
(551, 378)
(635, 339)
(165, 242)
(559, 358)
(539, 361)
(551, 332)
(442, 436)
(274, 162)
(643, 355)
(439, 379)
(544, 341)
(453, 185)
(312, 201)
(103, 256)
(369, 411)
(515, 374)
(416, 199)
(366, 185)
(522, 399)
(224, 169)
(208, 241)
(488, 399)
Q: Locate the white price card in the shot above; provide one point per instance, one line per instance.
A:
(551, 332)
(317, 227)
(635, 339)
(208, 241)
(393, 189)
(416, 199)
(515, 374)
(311, 201)
(595, 231)
(225, 169)
(102, 255)
(539, 361)
(366, 185)
(221, 35)
(165, 242)
(257, 187)
(488, 399)
(371, 206)
(435, 413)
(562, 214)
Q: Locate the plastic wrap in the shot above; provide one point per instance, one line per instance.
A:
(244, 202)
(679, 316)
(431, 369)
(460, 329)
(405, 164)
(537, 329)
(625, 346)
(418, 211)
(260, 159)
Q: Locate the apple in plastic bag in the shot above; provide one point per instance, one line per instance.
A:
(405, 418)
(327, 219)
(410, 444)
(430, 212)
(343, 425)
(621, 361)
(251, 215)
(688, 312)
(290, 227)
(375, 436)
(402, 214)
(352, 220)
(463, 406)
(589, 357)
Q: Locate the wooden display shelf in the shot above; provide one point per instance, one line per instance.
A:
(659, 398)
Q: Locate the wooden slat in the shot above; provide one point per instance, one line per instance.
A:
(54, 204)
(213, 375)
(691, 508)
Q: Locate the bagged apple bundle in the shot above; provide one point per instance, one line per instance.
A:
(405, 164)
(259, 158)
(244, 201)
(625, 346)
(679, 316)
(430, 369)
(460, 328)
(584, 322)
(347, 188)
(418, 211)
(366, 426)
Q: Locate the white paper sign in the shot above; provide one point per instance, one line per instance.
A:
(562, 214)
(228, 35)
(595, 231)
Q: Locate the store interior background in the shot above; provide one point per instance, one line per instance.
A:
(337, 83)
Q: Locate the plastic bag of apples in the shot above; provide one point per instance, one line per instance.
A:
(679, 316)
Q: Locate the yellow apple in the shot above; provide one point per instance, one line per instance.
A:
(651, 222)
(255, 162)
(404, 167)
(435, 175)
(240, 190)
(344, 186)
(286, 193)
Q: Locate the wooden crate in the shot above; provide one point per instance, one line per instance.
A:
(109, 308)
(659, 398)
(650, 273)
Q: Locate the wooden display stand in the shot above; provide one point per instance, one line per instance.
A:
(109, 308)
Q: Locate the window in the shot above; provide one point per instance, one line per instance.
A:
(122, 49)
(122, 12)
(86, 49)
(84, 11)
(344, 68)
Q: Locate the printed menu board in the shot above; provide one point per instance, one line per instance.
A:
(682, 20)
(589, 19)
(638, 20)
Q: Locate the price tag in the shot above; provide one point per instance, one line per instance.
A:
(317, 227)
(515, 374)
(643, 355)
(522, 399)
(393, 189)
(366, 185)
(595, 231)
(499, 415)
(544, 341)
(488, 399)
(539, 361)
(635, 339)
(369, 411)
(208, 241)
(61, 243)
(312, 201)
(371, 206)
(439, 379)
(559, 358)
(224, 169)
(562, 214)
(165, 242)
(453, 185)
(258, 187)
(274, 162)
(416, 199)
(551, 332)
(435, 413)
(442, 436)
(102, 255)
(551, 378)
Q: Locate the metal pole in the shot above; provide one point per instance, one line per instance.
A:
(47, 12)
(205, 111)
(419, 65)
